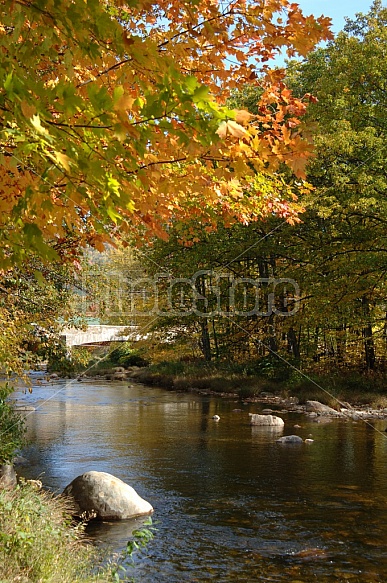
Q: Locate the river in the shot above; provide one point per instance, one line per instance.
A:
(230, 503)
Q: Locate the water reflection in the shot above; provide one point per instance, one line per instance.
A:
(229, 502)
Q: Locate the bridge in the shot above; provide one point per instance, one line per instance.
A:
(96, 334)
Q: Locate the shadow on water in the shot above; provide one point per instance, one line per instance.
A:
(230, 503)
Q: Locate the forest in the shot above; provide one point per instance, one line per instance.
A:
(246, 204)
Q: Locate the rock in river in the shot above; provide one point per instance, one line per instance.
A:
(290, 439)
(103, 496)
(269, 420)
(317, 407)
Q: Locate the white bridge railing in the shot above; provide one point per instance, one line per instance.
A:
(99, 333)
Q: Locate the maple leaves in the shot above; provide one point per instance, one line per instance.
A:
(114, 118)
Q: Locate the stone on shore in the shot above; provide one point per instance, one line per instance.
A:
(266, 420)
(103, 496)
(119, 376)
(317, 407)
(8, 478)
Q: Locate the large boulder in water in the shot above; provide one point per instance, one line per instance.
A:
(103, 496)
(266, 420)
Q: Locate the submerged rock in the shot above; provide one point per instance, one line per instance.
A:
(103, 496)
(322, 420)
(310, 554)
(290, 439)
(268, 420)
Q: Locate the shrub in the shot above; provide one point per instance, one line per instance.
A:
(126, 356)
(64, 361)
(36, 541)
(12, 427)
(40, 543)
(270, 367)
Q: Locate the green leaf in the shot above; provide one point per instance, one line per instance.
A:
(201, 93)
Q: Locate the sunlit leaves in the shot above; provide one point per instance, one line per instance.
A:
(113, 114)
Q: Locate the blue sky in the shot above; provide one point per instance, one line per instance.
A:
(335, 9)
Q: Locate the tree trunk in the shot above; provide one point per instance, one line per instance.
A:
(271, 335)
(369, 347)
(293, 344)
(205, 343)
(215, 339)
(341, 343)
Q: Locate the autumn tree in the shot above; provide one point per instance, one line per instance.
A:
(337, 252)
(114, 123)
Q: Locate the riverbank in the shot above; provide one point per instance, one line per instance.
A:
(354, 397)
(353, 391)
(39, 542)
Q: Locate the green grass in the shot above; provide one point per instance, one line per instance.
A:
(355, 388)
(12, 426)
(218, 377)
(39, 542)
(248, 380)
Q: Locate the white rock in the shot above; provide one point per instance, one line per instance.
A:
(104, 496)
(216, 417)
(269, 420)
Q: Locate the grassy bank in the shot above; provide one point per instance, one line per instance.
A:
(250, 381)
(39, 542)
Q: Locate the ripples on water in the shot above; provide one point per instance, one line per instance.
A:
(230, 504)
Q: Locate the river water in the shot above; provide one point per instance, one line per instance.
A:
(230, 503)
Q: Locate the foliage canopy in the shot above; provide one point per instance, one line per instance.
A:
(337, 254)
(113, 117)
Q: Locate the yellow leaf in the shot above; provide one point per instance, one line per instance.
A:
(233, 128)
(35, 121)
(124, 103)
(63, 160)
